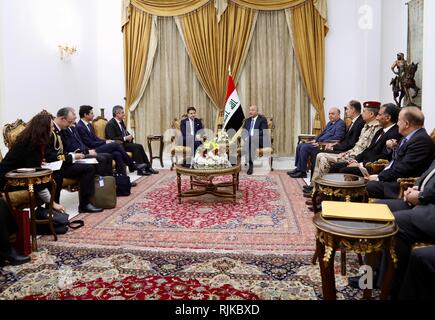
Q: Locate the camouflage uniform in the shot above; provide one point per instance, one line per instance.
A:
(324, 161)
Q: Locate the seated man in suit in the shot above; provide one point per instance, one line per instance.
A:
(334, 130)
(87, 134)
(387, 117)
(8, 226)
(324, 161)
(411, 157)
(353, 111)
(415, 217)
(190, 127)
(254, 134)
(55, 151)
(116, 130)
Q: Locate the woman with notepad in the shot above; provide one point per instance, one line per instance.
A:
(27, 153)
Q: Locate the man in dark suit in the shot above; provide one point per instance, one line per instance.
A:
(353, 112)
(87, 134)
(415, 217)
(73, 143)
(334, 130)
(55, 151)
(387, 117)
(254, 135)
(411, 156)
(190, 127)
(116, 130)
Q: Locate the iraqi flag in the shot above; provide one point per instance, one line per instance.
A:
(233, 115)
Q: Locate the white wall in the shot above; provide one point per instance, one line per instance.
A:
(110, 56)
(352, 52)
(33, 75)
(428, 98)
(394, 40)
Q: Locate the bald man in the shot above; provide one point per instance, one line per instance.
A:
(254, 133)
(334, 130)
(411, 156)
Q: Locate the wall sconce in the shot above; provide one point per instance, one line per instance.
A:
(66, 51)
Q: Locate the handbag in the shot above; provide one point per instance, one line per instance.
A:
(61, 222)
(123, 186)
(22, 241)
(105, 192)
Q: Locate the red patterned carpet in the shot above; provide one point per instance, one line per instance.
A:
(270, 216)
(207, 248)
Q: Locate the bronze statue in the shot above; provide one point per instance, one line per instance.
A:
(404, 80)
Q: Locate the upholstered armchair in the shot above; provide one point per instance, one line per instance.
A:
(99, 125)
(179, 153)
(10, 134)
(268, 150)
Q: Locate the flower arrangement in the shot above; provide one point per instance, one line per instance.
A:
(212, 154)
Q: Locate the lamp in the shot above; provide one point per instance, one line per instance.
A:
(66, 51)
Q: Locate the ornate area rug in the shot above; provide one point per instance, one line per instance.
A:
(58, 272)
(270, 216)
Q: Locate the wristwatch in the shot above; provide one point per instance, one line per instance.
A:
(421, 198)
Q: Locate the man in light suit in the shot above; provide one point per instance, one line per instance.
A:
(255, 134)
(190, 127)
(412, 155)
(116, 130)
(415, 217)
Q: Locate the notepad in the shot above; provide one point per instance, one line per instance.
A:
(356, 211)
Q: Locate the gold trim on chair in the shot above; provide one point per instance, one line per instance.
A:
(11, 132)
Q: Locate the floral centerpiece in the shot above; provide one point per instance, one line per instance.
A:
(213, 154)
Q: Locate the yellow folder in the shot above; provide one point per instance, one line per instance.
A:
(356, 211)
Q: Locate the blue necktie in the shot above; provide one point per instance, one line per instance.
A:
(252, 126)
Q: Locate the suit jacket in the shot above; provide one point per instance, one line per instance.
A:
(333, 131)
(55, 149)
(113, 131)
(351, 136)
(20, 156)
(429, 188)
(412, 159)
(260, 125)
(89, 137)
(377, 149)
(186, 130)
(73, 142)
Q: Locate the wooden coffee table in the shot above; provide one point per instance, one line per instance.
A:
(203, 180)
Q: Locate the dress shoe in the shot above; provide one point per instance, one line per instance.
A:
(136, 166)
(250, 171)
(298, 175)
(90, 208)
(292, 171)
(308, 188)
(133, 184)
(308, 194)
(151, 170)
(143, 172)
(309, 202)
(13, 258)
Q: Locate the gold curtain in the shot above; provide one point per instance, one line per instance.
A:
(136, 42)
(172, 88)
(271, 80)
(268, 5)
(309, 30)
(213, 46)
(168, 8)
